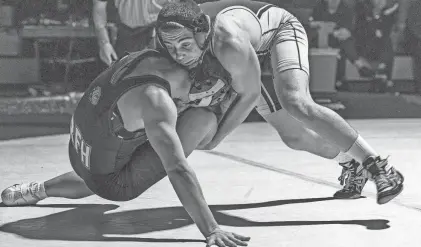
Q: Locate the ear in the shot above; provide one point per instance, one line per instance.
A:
(200, 38)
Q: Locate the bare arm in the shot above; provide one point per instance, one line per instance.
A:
(99, 15)
(160, 116)
(234, 50)
(106, 50)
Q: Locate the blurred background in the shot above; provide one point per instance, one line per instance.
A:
(364, 55)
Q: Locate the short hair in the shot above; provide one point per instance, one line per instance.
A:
(186, 13)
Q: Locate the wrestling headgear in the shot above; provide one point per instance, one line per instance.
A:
(186, 13)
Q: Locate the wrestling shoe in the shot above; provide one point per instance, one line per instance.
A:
(23, 194)
(353, 177)
(389, 181)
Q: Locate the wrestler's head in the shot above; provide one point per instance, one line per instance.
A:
(183, 30)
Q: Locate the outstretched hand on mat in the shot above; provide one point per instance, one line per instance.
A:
(222, 238)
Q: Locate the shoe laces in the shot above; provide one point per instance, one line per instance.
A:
(348, 177)
(32, 191)
(380, 177)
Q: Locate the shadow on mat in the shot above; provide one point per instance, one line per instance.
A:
(90, 223)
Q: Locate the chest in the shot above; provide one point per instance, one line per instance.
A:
(208, 93)
(211, 82)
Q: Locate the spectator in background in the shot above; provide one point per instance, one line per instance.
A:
(340, 12)
(135, 26)
(374, 22)
(399, 28)
(414, 40)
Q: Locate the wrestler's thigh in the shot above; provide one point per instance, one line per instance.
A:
(289, 60)
(195, 126)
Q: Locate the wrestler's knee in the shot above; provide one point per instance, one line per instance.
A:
(208, 138)
(196, 128)
(296, 105)
(209, 123)
(294, 94)
(301, 108)
(212, 128)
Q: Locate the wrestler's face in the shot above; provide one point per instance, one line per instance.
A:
(182, 46)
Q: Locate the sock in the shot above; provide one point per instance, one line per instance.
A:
(361, 150)
(345, 160)
(342, 158)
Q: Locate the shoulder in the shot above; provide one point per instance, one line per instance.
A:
(154, 95)
(230, 28)
(225, 29)
(228, 35)
(156, 104)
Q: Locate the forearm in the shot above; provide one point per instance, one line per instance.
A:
(102, 35)
(100, 24)
(188, 190)
(235, 115)
(238, 56)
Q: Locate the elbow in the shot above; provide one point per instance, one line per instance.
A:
(181, 174)
(249, 99)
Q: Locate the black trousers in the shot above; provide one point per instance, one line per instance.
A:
(380, 51)
(414, 47)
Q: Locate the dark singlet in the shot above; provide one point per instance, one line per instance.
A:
(96, 132)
